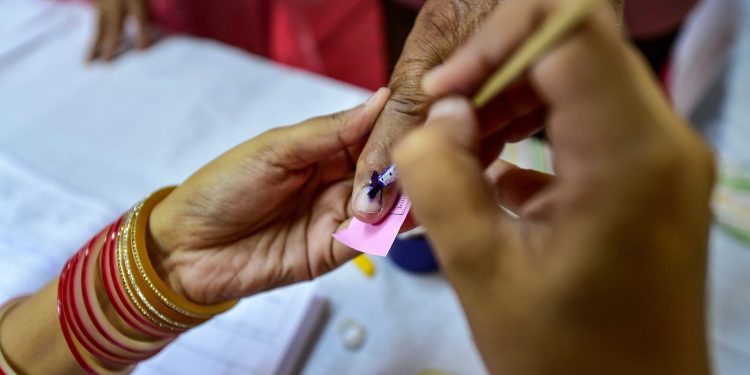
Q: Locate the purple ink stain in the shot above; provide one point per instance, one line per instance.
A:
(375, 185)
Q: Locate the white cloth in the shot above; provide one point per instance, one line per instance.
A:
(733, 142)
(716, 39)
(702, 51)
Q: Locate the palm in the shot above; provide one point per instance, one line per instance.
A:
(262, 215)
(277, 236)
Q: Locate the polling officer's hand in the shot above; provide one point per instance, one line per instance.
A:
(111, 19)
(599, 268)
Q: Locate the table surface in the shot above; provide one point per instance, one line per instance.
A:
(115, 132)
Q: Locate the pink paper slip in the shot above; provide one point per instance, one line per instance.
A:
(376, 239)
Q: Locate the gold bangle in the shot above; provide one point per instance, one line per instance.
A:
(172, 310)
(125, 275)
(150, 274)
(142, 285)
(5, 366)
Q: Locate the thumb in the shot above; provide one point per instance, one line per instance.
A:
(443, 177)
(301, 145)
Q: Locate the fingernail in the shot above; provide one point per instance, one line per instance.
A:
(449, 107)
(365, 205)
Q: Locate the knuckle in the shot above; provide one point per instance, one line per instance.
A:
(441, 23)
(408, 101)
(441, 28)
(453, 21)
(334, 121)
(337, 118)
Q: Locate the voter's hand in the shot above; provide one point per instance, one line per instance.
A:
(441, 27)
(262, 215)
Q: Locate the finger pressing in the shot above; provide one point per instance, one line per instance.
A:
(449, 194)
(375, 158)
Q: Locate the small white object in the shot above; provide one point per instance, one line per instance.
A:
(414, 233)
(389, 176)
(352, 334)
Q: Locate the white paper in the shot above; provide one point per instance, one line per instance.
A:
(41, 225)
(251, 339)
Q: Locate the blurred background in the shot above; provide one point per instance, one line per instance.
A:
(359, 41)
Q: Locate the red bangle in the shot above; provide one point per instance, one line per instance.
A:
(108, 283)
(63, 320)
(74, 319)
(92, 337)
(90, 308)
(117, 295)
(73, 346)
(137, 350)
(126, 280)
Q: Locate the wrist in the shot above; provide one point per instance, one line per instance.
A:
(161, 248)
(168, 258)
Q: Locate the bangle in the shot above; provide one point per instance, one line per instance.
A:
(153, 294)
(5, 367)
(84, 360)
(135, 293)
(75, 321)
(116, 291)
(175, 301)
(119, 258)
(154, 305)
(97, 346)
(123, 345)
(62, 316)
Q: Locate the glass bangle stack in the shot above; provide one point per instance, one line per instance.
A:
(114, 270)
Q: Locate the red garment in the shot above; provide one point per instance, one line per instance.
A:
(649, 18)
(340, 39)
